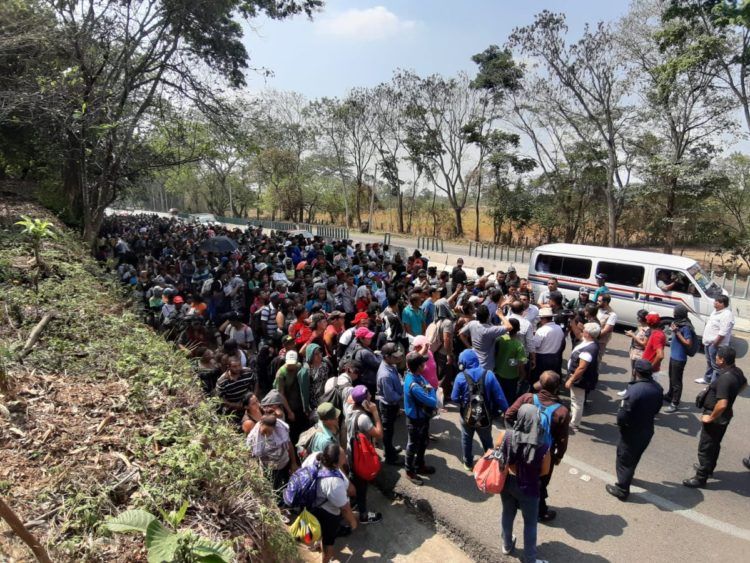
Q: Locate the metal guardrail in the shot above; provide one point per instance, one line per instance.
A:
(334, 233)
(387, 238)
(501, 253)
(735, 289)
(430, 243)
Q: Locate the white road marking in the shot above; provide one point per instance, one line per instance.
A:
(663, 503)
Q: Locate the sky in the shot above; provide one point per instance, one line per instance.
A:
(355, 43)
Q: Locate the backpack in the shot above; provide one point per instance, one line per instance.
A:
(427, 411)
(475, 413)
(302, 489)
(695, 344)
(545, 419)
(365, 460)
(334, 395)
(304, 441)
(256, 323)
(435, 336)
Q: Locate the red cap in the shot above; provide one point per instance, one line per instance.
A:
(653, 319)
(359, 317)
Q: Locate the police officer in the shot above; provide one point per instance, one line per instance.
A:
(717, 413)
(635, 418)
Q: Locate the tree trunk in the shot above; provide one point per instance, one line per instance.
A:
(669, 215)
(400, 211)
(459, 222)
(358, 204)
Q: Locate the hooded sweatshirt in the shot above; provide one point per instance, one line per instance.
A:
(493, 393)
(677, 351)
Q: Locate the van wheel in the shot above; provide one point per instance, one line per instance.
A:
(666, 324)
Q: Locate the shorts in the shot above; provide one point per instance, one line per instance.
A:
(329, 525)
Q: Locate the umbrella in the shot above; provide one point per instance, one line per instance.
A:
(219, 245)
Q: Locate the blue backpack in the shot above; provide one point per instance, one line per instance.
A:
(545, 419)
(302, 489)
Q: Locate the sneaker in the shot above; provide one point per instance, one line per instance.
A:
(370, 518)
(468, 467)
(702, 381)
(616, 492)
(547, 516)
(670, 409)
(695, 483)
(426, 470)
(507, 550)
(398, 449)
(622, 393)
(746, 462)
(414, 478)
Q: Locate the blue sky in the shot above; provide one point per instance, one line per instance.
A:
(360, 43)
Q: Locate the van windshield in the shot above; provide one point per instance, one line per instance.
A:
(708, 286)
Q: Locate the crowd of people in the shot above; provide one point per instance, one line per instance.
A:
(316, 348)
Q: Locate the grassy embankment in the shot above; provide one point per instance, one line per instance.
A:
(104, 415)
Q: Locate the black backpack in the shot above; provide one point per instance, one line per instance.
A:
(695, 344)
(475, 413)
(333, 396)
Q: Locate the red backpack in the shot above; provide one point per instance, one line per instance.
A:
(365, 459)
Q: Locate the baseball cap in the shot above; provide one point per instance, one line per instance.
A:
(584, 290)
(601, 276)
(361, 316)
(363, 332)
(391, 350)
(643, 366)
(273, 397)
(359, 394)
(653, 319)
(335, 315)
(511, 269)
(327, 411)
(291, 358)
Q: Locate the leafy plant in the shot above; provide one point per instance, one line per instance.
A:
(165, 545)
(37, 230)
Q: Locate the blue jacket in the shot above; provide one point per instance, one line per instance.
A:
(493, 393)
(415, 396)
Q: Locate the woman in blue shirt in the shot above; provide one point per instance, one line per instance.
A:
(420, 402)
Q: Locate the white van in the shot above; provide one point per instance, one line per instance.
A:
(203, 218)
(632, 277)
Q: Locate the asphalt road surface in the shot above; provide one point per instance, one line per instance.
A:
(662, 519)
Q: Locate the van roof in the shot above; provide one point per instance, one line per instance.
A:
(641, 256)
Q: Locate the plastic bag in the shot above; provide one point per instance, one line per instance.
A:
(306, 528)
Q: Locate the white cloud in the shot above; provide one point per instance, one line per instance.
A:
(367, 25)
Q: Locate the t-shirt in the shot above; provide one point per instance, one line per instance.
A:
(243, 335)
(483, 341)
(458, 276)
(677, 349)
(510, 353)
(656, 341)
(272, 451)
(288, 384)
(414, 319)
(726, 386)
(331, 495)
(364, 422)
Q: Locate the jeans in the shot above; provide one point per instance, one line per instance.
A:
(676, 370)
(467, 441)
(360, 488)
(418, 431)
(712, 369)
(709, 447)
(577, 399)
(388, 416)
(513, 499)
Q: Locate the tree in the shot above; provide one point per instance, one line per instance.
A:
(732, 191)
(439, 110)
(586, 80)
(125, 59)
(682, 109)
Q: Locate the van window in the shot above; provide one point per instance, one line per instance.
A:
(622, 274)
(674, 280)
(563, 265)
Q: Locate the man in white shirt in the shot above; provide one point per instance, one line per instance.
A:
(544, 296)
(548, 340)
(530, 311)
(718, 332)
(526, 332)
(607, 319)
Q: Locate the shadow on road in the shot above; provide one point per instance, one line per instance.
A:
(684, 422)
(675, 492)
(558, 551)
(589, 526)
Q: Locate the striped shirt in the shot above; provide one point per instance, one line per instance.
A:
(233, 390)
(268, 318)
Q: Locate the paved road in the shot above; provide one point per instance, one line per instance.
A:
(663, 521)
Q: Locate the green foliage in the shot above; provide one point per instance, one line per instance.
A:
(165, 545)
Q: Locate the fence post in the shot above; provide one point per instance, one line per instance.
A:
(515, 255)
(734, 284)
(723, 279)
(747, 286)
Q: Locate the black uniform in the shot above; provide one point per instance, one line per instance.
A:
(727, 386)
(636, 421)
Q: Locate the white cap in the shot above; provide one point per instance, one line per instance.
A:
(546, 313)
(291, 358)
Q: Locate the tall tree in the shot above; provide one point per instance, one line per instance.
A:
(587, 80)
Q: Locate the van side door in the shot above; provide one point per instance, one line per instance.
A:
(626, 286)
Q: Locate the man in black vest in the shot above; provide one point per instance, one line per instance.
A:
(639, 406)
(717, 412)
